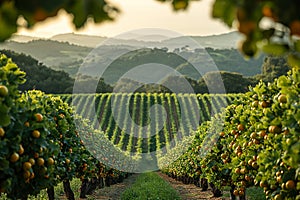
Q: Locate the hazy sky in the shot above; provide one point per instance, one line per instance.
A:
(137, 14)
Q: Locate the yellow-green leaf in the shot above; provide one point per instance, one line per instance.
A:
(275, 49)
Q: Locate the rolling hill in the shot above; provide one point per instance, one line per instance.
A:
(68, 52)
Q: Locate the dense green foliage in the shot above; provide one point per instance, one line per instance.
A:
(231, 60)
(273, 67)
(150, 186)
(36, 11)
(39, 139)
(40, 77)
(233, 82)
(265, 24)
(257, 145)
(56, 55)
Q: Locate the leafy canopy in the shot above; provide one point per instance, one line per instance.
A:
(33, 11)
(269, 25)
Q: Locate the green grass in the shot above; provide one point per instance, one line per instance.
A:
(59, 191)
(150, 186)
(147, 186)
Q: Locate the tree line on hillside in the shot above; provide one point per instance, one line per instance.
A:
(58, 82)
(41, 77)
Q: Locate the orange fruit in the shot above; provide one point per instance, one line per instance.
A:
(247, 178)
(237, 171)
(241, 127)
(244, 171)
(263, 184)
(36, 134)
(3, 91)
(38, 117)
(26, 124)
(21, 150)
(27, 166)
(241, 192)
(67, 161)
(295, 27)
(290, 185)
(40, 15)
(222, 134)
(40, 161)
(246, 27)
(279, 179)
(32, 161)
(233, 132)
(50, 161)
(235, 192)
(274, 129)
(14, 157)
(26, 174)
(263, 104)
(278, 197)
(2, 132)
(267, 11)
(262, 133)
(254, 165)
(282, 98)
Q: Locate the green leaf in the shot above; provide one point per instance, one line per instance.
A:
(180, 4)
(4, 164)
(275, 49)
(276, 122)
(4, 109)
(294, 61)
(225, 10)
(297, 45)
(283, 81)
(4, 120)
(268, 33)
(8, 18)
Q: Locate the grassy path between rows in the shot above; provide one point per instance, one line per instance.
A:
(152, 185)
(156, 185)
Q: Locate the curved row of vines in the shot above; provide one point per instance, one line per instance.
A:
(119, 126)
(42, 142)
(254, 142)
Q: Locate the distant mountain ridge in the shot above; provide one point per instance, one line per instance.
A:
(69, 51)
(78, 39)
(22, 38)
(221, 41)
